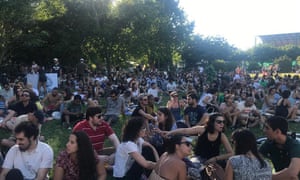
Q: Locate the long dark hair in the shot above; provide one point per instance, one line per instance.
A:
(85, 156)
(211, 122)
(245, 141)
(171, 143)
(132, 129)
(169, 121)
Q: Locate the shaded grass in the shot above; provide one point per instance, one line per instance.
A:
(57, 136)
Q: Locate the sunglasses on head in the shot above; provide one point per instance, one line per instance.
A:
(186, 143)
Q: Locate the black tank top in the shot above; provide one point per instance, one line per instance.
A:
(207, 149)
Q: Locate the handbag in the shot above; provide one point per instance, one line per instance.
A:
(214, 171)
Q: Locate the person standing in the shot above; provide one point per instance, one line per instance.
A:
(81, 70)
(56, 68)
(282, 150)
(29, 158)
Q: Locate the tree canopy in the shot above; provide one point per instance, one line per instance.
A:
(152, 32)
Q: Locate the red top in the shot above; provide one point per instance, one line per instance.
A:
(97, 136)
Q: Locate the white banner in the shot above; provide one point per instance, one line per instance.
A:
(52, 80)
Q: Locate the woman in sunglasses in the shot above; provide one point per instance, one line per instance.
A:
(171, 164)
(210, 139)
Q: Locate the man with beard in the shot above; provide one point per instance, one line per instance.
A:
(29, 158)
(97, 130)
(194, 114)
(52, 101)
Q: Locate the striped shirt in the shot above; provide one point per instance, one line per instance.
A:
(97, 136)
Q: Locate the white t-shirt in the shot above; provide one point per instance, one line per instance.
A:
(29, 162)
(208, 96)
(245, 110)
(123, 161)
(154, 92)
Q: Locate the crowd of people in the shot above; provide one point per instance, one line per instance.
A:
(172, 121)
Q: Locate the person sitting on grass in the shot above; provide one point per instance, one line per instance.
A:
(25, 106)
(249, 115)
(247, 163)
(229, 110)
(36, 118)
(282, 150)
(29, 158)
(73, 111)
(79, 161)
(52, 101)
(171, 164)
(98, 130)
(210, 139)
(115, 106)
(129, 161)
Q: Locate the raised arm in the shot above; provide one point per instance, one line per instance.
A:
(188, 131)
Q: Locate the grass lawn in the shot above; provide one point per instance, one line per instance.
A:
(57, 136)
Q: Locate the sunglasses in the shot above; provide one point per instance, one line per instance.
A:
(186, 143)
(99, 116)
(220, 121)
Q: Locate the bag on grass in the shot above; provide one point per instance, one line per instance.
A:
(213, 171)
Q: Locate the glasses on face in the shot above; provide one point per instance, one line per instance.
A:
(188, 144)
(220, 121)
(25, 95)
(99, 116)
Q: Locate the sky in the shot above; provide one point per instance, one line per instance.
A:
(240, 22)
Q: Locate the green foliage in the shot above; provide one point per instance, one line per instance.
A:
(285, 63)
(107, 33)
